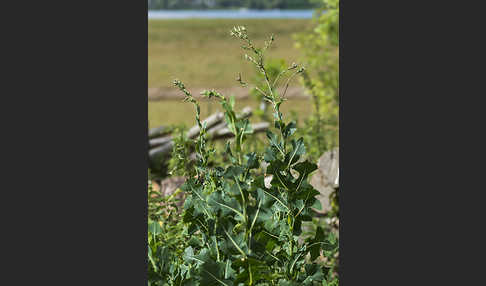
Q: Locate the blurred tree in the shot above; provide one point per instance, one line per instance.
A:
(321, 50)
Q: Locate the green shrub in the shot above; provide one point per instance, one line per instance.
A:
(166, 239)
(241, 231)
(321, 53)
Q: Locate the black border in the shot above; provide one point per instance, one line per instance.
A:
(75, 153)
(409, 121)
(75, 143)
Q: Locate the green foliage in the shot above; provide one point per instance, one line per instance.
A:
(180, 163)
(242, 231)
(273, 68)
(166, 239)
(321, 50)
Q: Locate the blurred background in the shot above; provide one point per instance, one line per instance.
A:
(190, 40)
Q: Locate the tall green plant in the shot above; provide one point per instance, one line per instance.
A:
(242, 231)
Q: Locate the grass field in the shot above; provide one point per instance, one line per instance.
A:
(201, 53)
(167, 112)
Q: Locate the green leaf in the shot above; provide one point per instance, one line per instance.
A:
(188, 254)
(233, 171)
(270, 154)
(284, 282)
(298, 149)
(289, 129)
(317, 205)
(305, 167)
(195, 242)
(314, 274)
(228, 152)
(252, 161)
(226, 205)
(152, 260)
(211, 272)
(229, 272)
(315, 244)
(154, 228)
(274, 142)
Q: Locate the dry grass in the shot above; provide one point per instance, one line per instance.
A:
(201, 53)
(177, 112)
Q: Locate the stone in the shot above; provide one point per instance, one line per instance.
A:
(169, 185)
(326, 178)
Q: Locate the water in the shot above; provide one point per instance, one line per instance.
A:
(230, 14)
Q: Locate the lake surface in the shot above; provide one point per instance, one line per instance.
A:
(230, 14)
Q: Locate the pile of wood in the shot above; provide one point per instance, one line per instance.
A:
(161, 140)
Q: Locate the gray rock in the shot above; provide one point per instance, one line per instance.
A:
(326, 178)
(267, 181)
(169, 185)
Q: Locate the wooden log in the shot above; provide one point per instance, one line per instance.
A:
(210, 122)
(245, 112)
(159, 141)
(226, 133)
(161, 150)
(158, 131)
(217, 120)
(216, 130)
